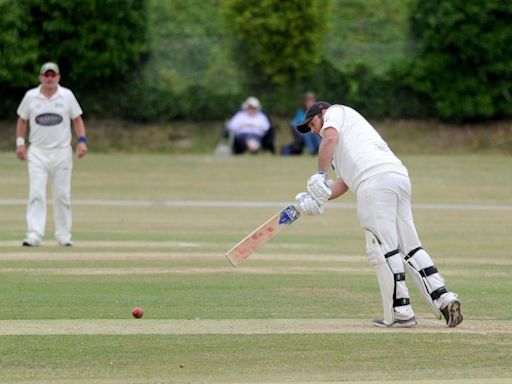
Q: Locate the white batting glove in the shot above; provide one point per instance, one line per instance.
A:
(319, 188)
(307, 205)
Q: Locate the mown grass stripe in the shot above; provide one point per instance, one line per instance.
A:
(252, 204)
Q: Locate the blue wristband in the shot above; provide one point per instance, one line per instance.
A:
(82, 139)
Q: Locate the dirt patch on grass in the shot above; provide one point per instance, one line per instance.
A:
(159, 380)
(106, 256)
(113, 244)
(158, 252)
(31, 255)
(183, 271)
(236, 327)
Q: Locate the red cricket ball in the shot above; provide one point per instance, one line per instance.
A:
(137, 312)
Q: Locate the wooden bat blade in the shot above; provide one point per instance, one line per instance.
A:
(262, 234)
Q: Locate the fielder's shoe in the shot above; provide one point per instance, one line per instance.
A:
(452, 314)
(66, 244)
(31, 243)
(397, 323)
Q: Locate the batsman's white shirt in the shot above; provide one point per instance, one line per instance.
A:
(50, 119)
(360, 151)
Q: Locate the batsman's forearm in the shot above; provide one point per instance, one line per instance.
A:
(326, 150)
(21, 127)
(338, 188)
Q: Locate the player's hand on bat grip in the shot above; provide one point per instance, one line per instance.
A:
(307, 205)
(319, 188)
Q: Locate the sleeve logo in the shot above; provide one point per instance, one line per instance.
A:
(48, 119)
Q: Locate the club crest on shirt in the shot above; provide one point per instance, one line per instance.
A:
(48, 119)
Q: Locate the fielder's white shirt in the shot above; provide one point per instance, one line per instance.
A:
(243, 122)
(50, 119)
(360, 151)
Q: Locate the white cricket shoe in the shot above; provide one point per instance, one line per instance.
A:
(452, 313)
(32, 243)
(397, 323)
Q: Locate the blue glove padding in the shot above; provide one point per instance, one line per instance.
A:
(307, 205)
(319, 188)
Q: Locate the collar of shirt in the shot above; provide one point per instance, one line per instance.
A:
(58, 93)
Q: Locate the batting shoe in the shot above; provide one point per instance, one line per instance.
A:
(409, 323)
(32, 243)
(66, 244)
(452, 313)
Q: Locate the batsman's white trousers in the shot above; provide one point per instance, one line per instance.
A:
(384, 207)
(57, 165)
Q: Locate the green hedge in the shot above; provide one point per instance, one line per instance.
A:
(97, 44)
(464, 61)
(460, 69)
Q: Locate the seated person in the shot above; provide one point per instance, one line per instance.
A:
(309, 140)
(249, 126)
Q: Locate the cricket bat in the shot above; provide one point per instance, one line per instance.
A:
(264, 233)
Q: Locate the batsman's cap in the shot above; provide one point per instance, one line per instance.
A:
(251, 102)
(49, 67)
(312, 111)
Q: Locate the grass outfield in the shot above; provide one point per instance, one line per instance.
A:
(298, 311)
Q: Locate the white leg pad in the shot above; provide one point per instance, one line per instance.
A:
(420, 284)
(431, 285)
(385, 276)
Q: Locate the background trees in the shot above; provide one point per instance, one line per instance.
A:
(154, 60)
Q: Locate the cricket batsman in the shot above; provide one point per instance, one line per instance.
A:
(49, 109)
(364, 164)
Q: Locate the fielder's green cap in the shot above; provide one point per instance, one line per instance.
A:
(49, 67)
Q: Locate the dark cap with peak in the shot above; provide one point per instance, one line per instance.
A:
(312, 111)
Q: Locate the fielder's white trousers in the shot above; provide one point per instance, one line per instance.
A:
(55, 164)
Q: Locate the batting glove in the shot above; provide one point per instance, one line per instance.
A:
(319, 188)
(307, 205)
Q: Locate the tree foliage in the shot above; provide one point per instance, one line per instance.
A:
(277, 43)
(464, 61)
(18, 52)
(93, 41)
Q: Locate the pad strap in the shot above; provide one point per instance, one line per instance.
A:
(400, 276)
(428, 271)
(438, 293)
(412, 253)
(400, 302)
(392, 253)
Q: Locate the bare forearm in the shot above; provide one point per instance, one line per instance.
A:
(326, 149)
(338, 188)
(79, 126)
(21, 127)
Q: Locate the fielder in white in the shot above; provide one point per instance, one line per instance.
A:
(49, 110)
(364, 164)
